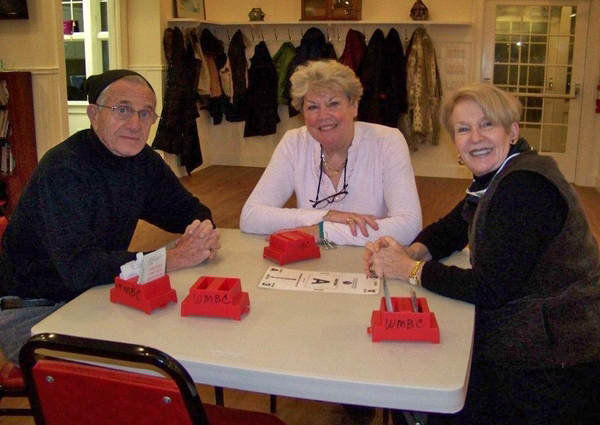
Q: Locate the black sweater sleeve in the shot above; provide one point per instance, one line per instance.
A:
(447, 235)
(527, 212)
(170, 205)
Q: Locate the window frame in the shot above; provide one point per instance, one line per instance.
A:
(93, 36)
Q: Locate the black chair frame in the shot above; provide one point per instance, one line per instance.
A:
(110, 350)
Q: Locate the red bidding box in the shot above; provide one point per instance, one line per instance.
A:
(403, 323)
(287, 247)
(146, 297)
(216, 296)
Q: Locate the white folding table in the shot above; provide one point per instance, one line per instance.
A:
(293, 343)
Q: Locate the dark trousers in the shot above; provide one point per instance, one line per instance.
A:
(562, 396)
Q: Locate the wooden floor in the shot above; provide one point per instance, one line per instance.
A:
(224, 189)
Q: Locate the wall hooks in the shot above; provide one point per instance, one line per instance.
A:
(228, 36)
(252, 32)
(289, 34)
(328, 35)
(275, 31)
(262, 35)
(338, 34)
(301, 32)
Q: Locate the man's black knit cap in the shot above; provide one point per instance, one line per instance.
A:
(96, 83)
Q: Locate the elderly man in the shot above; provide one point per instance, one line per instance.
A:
(74, 221)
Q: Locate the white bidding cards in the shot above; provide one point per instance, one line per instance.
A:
(305, 280)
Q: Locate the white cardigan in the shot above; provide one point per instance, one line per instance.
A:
(380, 182)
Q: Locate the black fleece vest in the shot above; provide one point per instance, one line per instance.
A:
(556, 320)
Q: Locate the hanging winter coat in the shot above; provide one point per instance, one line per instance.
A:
(262, 116)
(424, 89)
(369, 108)
(177, 132)
(219, 74)
(236, 108)
(282, 61)
(354, 50)
(393, 77)
(313, 46)
(383, 78)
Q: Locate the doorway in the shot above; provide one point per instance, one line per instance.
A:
(537, 51)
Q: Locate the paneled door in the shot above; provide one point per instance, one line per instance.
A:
(537, 51)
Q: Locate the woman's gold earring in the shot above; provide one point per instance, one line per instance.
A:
(460, 160)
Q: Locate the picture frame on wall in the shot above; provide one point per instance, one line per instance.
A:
(191, 9)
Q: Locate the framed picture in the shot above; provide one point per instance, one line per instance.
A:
(193, 9)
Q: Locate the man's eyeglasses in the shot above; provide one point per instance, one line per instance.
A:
(124, 112)
(336, 197)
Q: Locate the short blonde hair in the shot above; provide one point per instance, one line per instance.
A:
(499, 106)
(322, 76)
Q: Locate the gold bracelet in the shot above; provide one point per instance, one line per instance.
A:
(413, 277)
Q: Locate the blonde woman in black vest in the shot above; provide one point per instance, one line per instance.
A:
(535, 272)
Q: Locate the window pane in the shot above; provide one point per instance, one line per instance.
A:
(514, 72)
(525, 53)
(502, 27)
(539, 27)
(66, 11)
(75, 63)
(535, 13)
(536, 76)
(538, 53)
(104, 15)
(500, 74)
(501, 53)
(78, 16)
(105, 57)
(523, 76)
(514, 52)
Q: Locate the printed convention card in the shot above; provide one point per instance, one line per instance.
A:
(304, 280)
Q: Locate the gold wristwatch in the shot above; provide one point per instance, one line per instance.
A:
(413, 277)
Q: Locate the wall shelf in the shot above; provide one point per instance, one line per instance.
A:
(194, 22)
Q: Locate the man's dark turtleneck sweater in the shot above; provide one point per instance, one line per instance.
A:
(76, 217)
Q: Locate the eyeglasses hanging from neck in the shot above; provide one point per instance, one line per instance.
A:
(336, 197)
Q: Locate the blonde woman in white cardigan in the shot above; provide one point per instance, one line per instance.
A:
(353, 180)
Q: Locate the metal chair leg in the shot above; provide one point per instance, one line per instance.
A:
(219, 397)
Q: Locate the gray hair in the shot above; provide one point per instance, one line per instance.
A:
(133, 78)
(322, 76)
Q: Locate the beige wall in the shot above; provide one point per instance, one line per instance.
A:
(36, 45)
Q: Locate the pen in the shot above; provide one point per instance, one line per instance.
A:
(415, 303)
(386, 292)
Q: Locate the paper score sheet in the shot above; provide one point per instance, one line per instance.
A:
(305, 280)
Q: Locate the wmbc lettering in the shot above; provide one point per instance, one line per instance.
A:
(403, 324)
(211, 299)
